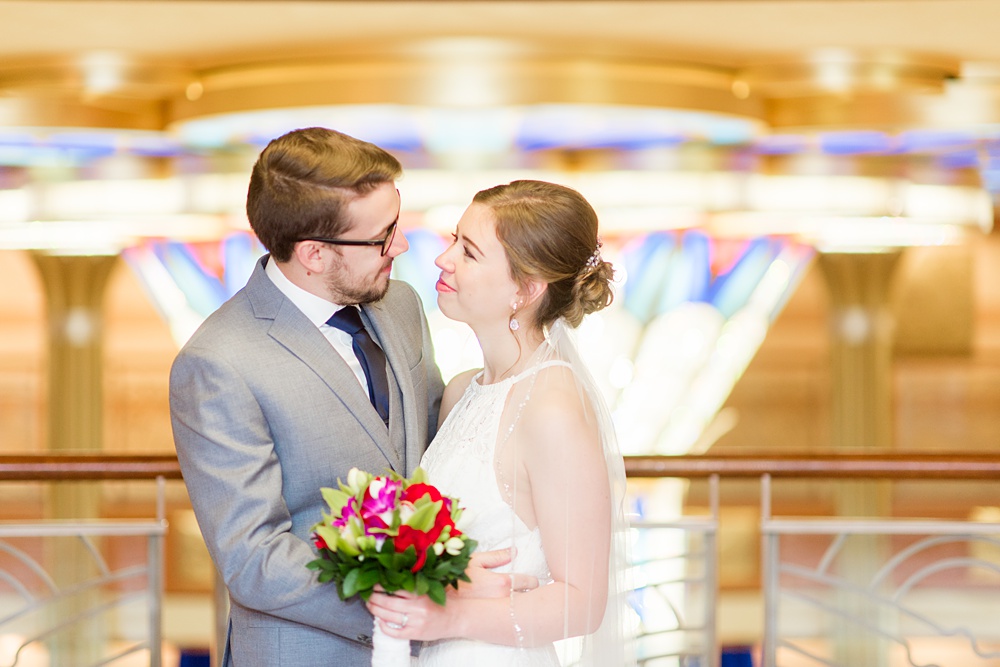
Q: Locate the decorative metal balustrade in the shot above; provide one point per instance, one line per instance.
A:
(866, 592)
(675, 588)
(83, 592)
(838, 591)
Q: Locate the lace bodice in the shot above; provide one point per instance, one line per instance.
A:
(460, 462)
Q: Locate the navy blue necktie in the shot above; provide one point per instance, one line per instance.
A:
(369, 354)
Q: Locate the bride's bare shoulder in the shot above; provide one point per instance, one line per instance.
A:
(454, 390)
(558, 402)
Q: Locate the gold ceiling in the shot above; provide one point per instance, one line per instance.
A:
(885, 64)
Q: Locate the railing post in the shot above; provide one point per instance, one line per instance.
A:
(713, 657)
(220, 609)
(769, 585)
(155, 579)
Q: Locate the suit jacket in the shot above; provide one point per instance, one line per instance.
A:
(265, 412)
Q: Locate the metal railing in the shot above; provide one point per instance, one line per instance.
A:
(66, 593)
(843, 591)
(875, 607)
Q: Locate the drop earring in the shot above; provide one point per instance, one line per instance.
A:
(514, 324)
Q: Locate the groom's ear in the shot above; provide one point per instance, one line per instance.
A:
(307, 253)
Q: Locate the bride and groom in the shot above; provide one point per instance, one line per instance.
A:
(264, 414)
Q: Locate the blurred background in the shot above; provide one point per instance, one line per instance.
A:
(798, 196)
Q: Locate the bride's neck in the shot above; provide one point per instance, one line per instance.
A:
(506, 353)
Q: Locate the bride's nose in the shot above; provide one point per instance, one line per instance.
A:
(444, 261)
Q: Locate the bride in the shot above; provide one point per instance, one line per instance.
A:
(526, 443)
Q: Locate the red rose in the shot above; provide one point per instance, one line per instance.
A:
(416, 491)
(419, 540)
(319, 542)
(443, 519)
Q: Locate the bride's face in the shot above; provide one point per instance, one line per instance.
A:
(475, 285)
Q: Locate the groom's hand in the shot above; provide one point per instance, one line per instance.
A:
(488, 584)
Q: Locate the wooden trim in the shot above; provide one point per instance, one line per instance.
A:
(57, 467)
(63, 467)
(850, 466)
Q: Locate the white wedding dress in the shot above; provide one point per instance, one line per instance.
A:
(460, 462)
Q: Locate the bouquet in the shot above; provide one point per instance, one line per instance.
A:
(396, 532)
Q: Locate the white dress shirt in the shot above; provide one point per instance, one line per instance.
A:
(319, 310)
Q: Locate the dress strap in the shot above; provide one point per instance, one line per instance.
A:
(534, 369)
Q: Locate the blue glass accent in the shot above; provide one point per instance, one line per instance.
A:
(780, 144)
(962, 159)
(731, 290)
(929, 140)
(17, 139)
(625, 128)
(240, 253)
(688, 273)
(850, 143)
(204, 292)
(648, 263)
(416, 266)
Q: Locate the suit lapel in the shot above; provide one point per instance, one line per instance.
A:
(298, 335)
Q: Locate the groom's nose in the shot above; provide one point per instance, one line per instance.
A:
(399, 245)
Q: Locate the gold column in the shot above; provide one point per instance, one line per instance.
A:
(861, 370)
(74, 289)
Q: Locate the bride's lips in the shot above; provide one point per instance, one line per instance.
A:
(442, 286)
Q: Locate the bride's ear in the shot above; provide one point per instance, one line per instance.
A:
(532, 291)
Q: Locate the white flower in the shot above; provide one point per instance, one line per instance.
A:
(357, 480)
(438, 548)
(453, 546)
(405, 511)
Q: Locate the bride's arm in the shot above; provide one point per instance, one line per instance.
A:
(560, 451)
(565, 466)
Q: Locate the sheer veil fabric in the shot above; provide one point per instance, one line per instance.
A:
(575, 463)
(534, 461)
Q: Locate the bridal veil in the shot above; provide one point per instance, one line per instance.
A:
(578, 500)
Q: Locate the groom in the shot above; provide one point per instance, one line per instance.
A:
(275, 396)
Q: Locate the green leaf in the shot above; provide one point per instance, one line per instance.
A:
(423, 518)
(328, 533)
(367, 579)
(335, 499)
(351, 583)
(344, 546)
(436, 592)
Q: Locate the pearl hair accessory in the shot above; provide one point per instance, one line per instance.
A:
(595, 257)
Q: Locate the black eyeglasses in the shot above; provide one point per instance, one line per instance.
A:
(385, 243)
(390, 234)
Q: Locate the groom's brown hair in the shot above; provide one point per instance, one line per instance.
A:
(301, 181)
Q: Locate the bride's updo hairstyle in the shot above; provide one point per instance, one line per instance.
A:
(549, 233)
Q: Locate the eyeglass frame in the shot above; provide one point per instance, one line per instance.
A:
(386, 242)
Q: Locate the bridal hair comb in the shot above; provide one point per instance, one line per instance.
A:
(595, 257)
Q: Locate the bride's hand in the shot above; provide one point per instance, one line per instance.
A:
(489, 584)
(408, 616)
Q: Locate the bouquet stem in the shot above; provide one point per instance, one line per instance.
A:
(389, 651)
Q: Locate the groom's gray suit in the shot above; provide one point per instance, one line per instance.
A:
(264, 413)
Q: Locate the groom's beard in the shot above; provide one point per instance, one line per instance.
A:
(350, 289)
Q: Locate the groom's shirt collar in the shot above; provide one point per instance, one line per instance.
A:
(317, 309)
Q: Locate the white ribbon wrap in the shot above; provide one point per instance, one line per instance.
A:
(389, 651)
